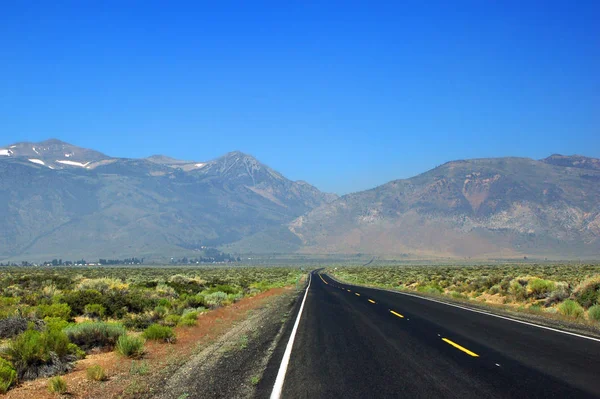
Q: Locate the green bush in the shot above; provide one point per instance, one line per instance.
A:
(58, 310)
(187, 322)
(430, 289)
(587, 292)
(95, 373)
(57, 385)
(55, 323)
(495, 289)
(172, 320)
(594, 313)
(158, 332)
(189, 319)
(536, 307)
(160, 311)
(94, 310)
(215, 299)
(139, 321)
(457, 295)
(130, 346)
(540, 288)
(561, 292)
(78, 299)
(34, 348)
(8, 375)
(518, 291)
(571, 308)
(95, 334)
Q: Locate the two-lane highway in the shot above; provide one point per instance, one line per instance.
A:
(358, 342)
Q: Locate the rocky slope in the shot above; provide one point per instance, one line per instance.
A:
(502, 207)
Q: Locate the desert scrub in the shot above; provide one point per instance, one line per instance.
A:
(189, 319)
(139, 322)
(95, 334)
(587, 292)
(8, 375)
(430, 289)
(571, 308)
(130, 346)
(171, 320)
(159, 333)
(35, 353)
(57, 385)
(94, 311)
(594, 313)
(59, 310)
(95, 373)
(215, 299)
(539, 288)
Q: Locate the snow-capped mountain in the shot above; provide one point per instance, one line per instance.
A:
(63, 200)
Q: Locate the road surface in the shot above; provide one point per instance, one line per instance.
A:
(357, 342)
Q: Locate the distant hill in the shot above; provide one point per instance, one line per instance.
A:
(503, 207)
(59, 200)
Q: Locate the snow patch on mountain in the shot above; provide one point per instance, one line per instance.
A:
(5, 152)
(38, 161)
(73, 163)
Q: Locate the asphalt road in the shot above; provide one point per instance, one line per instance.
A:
(356, 342)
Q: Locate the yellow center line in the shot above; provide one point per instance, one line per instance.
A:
(460, 348)
(372, 301)
(396, 314)
(349, 291)
(323, 280)
(357, 294)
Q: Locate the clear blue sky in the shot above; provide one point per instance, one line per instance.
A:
(345, 96)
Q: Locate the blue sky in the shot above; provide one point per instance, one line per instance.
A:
(345, 95)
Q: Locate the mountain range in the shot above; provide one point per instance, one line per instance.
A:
(57, 199)
(60, 200)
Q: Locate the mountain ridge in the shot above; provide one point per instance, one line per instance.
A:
(482, 207)
(91, 204)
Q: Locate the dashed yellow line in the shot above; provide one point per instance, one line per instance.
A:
(357, 294)
(372, 301)
(349, 291)
(396, 314)
(460, 348)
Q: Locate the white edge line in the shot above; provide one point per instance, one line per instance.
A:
(476, 311)
(278, 387)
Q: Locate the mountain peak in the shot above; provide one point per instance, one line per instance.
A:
(236, 155)
(54, 142)
(53, 153)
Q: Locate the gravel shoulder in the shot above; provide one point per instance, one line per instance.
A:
(233, 365)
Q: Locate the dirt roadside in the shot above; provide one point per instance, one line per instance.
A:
(224, 356)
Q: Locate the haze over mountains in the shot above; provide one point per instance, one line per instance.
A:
(59, 200)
